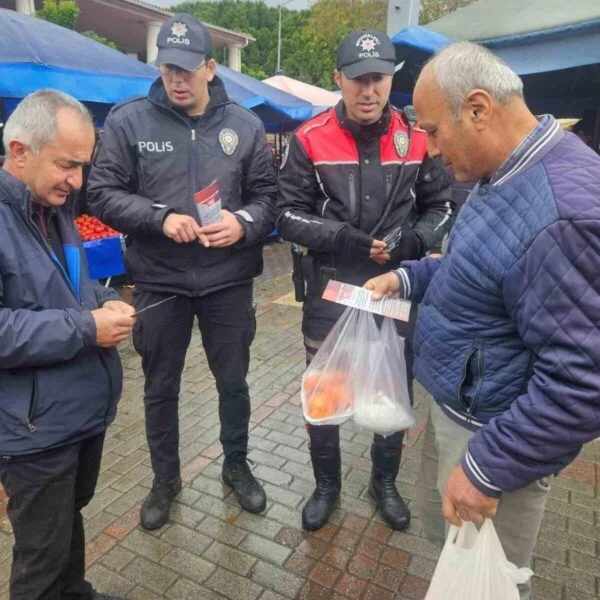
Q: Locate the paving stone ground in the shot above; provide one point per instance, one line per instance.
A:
(211, 550)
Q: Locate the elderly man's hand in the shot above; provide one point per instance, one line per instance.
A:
(112, 327)
(226, 232)
(120, 307)
(464, 502)
(384, 285)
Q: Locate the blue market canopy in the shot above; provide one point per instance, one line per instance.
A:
(278, 110)
(35, 54)
(414, 45)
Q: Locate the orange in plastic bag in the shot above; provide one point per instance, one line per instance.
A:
(326, 394)
(327, 390)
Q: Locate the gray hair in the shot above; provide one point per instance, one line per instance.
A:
(464, 66)
(34, 121)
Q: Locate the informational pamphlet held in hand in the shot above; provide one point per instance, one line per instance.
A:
(208, 204)
(357, 297)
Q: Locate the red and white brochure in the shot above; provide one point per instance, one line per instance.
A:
(357, 297)
(208, 203)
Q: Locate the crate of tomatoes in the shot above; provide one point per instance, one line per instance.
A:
(102, 247)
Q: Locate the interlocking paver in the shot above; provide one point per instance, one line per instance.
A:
(184, 589)
(117, 558)
(256, 545)
(147, 545)
(277, 579)
(150, 575)
(109, 581)
(233, 586)
(186, 539)
(212, 550)
(188, 564)
(222, 531)
(230, 558)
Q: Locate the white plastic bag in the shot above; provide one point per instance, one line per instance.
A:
(379, 382)
(327, 398)
(473, 566)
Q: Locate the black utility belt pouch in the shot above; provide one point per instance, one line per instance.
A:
(298, 273)
(325, 275)
(316, 274)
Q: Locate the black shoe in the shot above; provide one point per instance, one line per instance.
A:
(391, 505)
(249, 493)
(157, 505)
(99, 596)
(327, 469)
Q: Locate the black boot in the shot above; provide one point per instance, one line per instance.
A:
(385, 456)
(157, 506)
(327, 467)
(100, 596)
(249, 493)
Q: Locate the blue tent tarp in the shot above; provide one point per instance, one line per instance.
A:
(414, 45)
(278, 110)
(560, 67)
(35, 54)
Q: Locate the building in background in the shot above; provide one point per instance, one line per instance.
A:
(133, 25)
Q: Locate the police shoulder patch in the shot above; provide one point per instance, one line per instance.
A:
(401, 143)
(229, 140)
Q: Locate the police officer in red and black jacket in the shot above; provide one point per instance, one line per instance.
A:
(352, 176)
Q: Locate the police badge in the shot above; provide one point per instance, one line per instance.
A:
(401, 143)
(229, 140)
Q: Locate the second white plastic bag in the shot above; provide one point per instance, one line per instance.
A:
(379, 381)
(473, 566)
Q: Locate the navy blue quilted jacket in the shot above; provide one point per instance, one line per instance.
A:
(507, 338)
(56, 385)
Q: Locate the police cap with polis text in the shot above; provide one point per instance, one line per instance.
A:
(184, 42)
(366, 51)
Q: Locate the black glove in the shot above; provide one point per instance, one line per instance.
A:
(410, 247)
(352, 243)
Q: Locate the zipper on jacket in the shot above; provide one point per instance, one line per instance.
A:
(46, 245)
(110, 381)
(473, 406)
(33, 404)
(193, 283)
(467, 409)
(352, 191)
(388, 185)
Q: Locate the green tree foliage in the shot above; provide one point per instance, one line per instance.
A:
(65, 13)
(309, 38)
(99, 38)
(298, 52)
(60, 12)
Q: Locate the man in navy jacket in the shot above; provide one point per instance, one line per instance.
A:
(507, 335)
(60, 374)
